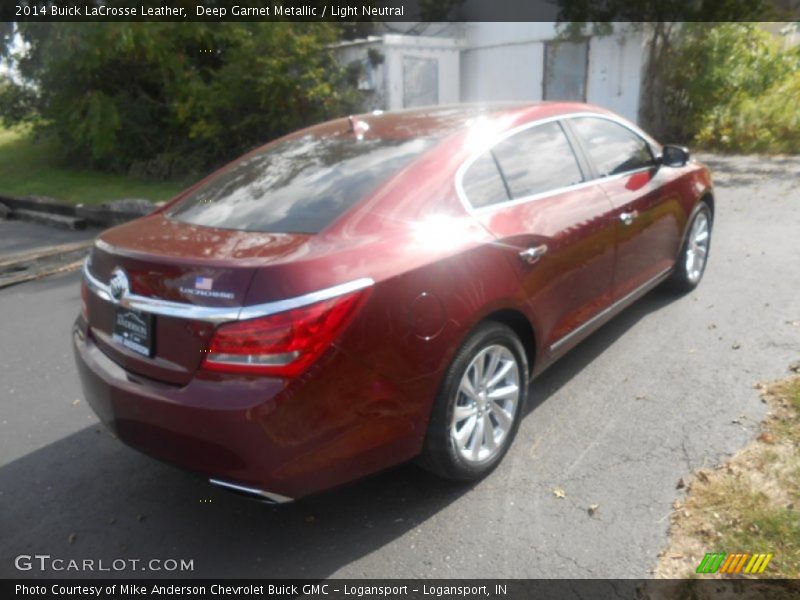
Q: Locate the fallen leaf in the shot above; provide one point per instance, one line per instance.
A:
(592, 510)
(559, 493)
(76, 402)
(766, 437)
(681, 484)
(712, 325)
(72, 537)
(736, 346)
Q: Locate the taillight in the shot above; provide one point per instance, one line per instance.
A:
(85, 299)
(283, 344)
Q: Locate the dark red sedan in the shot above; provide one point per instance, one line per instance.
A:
(379, 288)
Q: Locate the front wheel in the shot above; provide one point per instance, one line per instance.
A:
(691, 263)
(478, 408)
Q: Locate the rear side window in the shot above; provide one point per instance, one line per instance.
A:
(483, 184)
(537, 160)
(612, 147)
(298, 186)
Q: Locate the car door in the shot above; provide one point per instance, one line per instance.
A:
(647, 221)
(556, 229)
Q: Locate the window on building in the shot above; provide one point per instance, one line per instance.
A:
(565, 67)
(420, 81)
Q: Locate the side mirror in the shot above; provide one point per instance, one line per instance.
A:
(674, 156)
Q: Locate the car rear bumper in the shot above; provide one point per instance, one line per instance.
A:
(338, 422)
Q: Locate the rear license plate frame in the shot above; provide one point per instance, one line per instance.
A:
(133, 330)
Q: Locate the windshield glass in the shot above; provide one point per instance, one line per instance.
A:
(298, 186)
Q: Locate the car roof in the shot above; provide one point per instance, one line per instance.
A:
(438, 121)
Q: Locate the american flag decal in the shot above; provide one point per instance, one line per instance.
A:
(203, 283)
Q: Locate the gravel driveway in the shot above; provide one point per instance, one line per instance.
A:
(663, 389)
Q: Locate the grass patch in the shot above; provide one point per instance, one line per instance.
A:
(751, 503)
(31, 167)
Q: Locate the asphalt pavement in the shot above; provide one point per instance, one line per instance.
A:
(17, 237)
(665, 388)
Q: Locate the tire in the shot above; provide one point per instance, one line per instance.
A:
(490, 346)
(687, 274)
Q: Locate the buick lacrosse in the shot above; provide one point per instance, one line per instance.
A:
(379, 288)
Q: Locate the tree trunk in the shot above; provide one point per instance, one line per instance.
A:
(653, 113)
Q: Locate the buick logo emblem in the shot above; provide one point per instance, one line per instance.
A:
(119, 284)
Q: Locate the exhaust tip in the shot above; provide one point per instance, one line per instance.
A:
(254, 493)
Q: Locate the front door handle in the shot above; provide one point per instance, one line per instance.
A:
(534, 254)
(628, 217)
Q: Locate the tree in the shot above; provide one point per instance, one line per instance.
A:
(166, 99)
(658, 19)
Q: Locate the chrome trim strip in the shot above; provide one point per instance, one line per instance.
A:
(639, 291)
(218, 314)
(278, 306)
(459, 177)
(263, 494)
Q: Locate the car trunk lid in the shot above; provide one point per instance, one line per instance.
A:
(175, 265)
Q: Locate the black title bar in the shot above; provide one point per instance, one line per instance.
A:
(432, 589)
(396, 10)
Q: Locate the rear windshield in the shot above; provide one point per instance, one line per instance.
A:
(298, 186)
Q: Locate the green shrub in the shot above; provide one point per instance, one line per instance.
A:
(767, 123)
(717, 75)
(168, 99)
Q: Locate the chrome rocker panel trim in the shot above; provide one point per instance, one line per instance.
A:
(613, 309)
(264, 496)
(218, 314)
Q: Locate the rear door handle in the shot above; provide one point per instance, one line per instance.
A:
(628, 217)
(534, 254)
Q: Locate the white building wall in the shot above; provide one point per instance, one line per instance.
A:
(615, 73)
(502, 73)
(483, 34)
(444, 50)
(505, 61)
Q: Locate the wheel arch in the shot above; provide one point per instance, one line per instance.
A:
(708, 198)
(521, 326)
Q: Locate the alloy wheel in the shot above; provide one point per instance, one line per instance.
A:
(486, 404)
(697, 248)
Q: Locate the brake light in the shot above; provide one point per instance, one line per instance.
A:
(284, 344)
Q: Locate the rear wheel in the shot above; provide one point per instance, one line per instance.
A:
(691, 263)
(478, 408)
